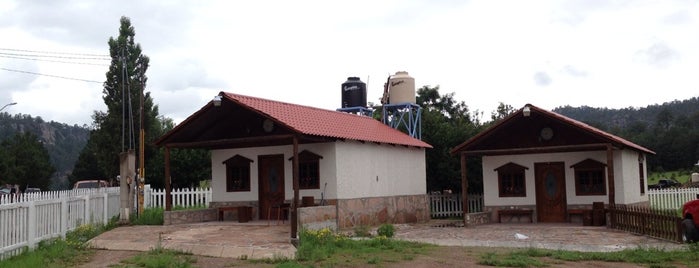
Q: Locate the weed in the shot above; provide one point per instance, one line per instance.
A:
(362, 231)
(150, 216)
(386, 230)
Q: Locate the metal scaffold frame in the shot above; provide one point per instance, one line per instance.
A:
(359, 110)
(406, 115)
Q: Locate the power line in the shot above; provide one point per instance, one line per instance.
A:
(54, 52)
(56, 61)
(50, 75)
(54, 56)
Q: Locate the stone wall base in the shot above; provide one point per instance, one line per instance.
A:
(316, 218)
(189, 216)
(373, 211)
(478, 218)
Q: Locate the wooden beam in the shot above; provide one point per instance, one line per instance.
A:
(464, 188)
(295, 183)
(223, 142)
(548, 149)
(168, 197)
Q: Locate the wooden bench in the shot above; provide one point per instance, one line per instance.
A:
(243, 212)
(516, 213)
(572, 212)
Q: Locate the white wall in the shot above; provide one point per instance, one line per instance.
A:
(218, 171)
(625, 162)
(373, 170)
(629, 191)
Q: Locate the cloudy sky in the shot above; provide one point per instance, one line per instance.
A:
(597, 53)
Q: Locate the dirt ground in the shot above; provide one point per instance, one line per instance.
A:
(443, 257)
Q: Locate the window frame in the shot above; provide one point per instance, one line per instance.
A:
(593, 171)
(514, 175)
(309, 170)
(240, 165)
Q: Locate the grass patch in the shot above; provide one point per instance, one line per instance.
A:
(325, 248)
(682, 176)
(150, 216)
(66, 252)
(541, 257)
(160, 258)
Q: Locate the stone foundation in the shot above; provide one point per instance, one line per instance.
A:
(189, 216)
(373, 211)
(316, 218)
(477, 218)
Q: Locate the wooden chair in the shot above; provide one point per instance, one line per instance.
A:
(281, 208)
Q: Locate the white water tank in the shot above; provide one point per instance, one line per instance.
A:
(401, 88)
(695, 177)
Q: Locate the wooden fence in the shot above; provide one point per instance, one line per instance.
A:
(29, 219)
(671, 198)
(451, 205)
(663, 224)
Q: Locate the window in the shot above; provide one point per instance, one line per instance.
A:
(590, 178)
(641, 173)
(511, 180)
(237, 174)
(309, 170)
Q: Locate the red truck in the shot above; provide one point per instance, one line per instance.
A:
(690, 222)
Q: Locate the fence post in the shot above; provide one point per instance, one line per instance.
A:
(86, 220)
(31, 222)
(64, 215)
(105, 207)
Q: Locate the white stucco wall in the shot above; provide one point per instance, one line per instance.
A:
(625, 162)
(630, 190)
(327, 171)
(373, 170)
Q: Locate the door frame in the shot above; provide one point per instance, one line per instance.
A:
(543, 210)
(265, 201)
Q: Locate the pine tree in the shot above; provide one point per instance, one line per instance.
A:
(117, 129)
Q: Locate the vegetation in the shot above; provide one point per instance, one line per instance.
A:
(125, 83)
(533, 257)
(67, 252)
(160, 257)
(25, 161)
(670, 129)
(324, 248)
(150, 216)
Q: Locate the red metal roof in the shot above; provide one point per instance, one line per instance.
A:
(326, 123)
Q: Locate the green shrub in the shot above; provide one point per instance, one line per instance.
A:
(150, 216)
(362, 231)
(386, 230)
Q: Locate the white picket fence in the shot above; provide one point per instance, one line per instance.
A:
(185, 197)
(451, 205)
(671, 198)
(27, 220)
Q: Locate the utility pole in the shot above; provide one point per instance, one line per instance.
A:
(141, 154)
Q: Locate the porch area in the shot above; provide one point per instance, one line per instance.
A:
(250, 240)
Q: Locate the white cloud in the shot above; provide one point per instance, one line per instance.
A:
(546, 53)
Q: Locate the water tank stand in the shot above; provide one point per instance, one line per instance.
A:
(404, 116)
(357, 110)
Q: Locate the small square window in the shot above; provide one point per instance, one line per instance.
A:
(590, 178)
(511, 180)
(237, 174)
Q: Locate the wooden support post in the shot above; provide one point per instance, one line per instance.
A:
(464, 187)
(610, 183)
(168, 197)
(295, 182)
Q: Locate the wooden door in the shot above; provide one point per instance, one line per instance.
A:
(271, 182)
(550, 182)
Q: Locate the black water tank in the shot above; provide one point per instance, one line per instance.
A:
(353, 93)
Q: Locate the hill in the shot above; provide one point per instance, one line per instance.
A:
(624, 118)
(63, 142)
